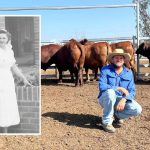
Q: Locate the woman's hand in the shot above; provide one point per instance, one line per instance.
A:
(19, 74)
(27, 83)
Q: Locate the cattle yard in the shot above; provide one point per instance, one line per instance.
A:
(74, 115)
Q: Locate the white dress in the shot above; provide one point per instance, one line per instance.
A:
(9, 114)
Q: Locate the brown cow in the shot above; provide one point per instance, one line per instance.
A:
(70, 57)
(47, 51)
(127, 46)
(95, 56)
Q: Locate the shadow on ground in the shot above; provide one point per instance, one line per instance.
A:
(65, 82)
(80, 120)
(143, 82)
(55, 82)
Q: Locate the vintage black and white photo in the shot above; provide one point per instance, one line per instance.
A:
(19, 67)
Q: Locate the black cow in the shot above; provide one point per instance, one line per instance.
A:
(144, 50)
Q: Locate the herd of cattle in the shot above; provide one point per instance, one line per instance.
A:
(76, 55)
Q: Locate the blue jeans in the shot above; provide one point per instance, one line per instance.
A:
(108, 100)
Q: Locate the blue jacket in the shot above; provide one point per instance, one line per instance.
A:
(109, 79)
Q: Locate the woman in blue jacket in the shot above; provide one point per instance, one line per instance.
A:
(117, 91)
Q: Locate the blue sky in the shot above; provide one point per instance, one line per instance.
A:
(58, 25)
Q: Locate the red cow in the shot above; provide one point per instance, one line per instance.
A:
(47, 51)
(95, 56)
(70, 57)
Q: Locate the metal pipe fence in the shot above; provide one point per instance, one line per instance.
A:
(66, 7)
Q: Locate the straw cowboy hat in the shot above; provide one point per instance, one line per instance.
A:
(119, 52)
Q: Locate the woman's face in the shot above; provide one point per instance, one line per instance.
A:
(118, 60)
(3, 39)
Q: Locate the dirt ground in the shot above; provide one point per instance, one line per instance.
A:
(71, 120)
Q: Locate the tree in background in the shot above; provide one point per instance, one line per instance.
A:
(144, 17)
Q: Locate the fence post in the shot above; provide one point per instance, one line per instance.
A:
(137, 15)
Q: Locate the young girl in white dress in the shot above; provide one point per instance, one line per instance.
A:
(9, 114)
